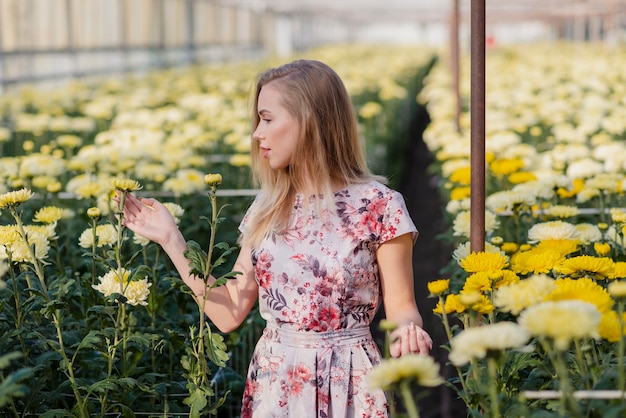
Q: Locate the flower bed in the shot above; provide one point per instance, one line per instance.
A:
(541, 309)
(94, 320)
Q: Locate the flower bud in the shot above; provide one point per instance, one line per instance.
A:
(94, 212)
(213, 180)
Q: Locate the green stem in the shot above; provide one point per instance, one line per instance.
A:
(409, 402)
(446, 325)
(567, 392)
(38, 267)
(18, 312)
(620, 354)
(492, 371)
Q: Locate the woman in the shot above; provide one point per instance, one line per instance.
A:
(323, 244)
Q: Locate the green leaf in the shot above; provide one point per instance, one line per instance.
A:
(90, 340)
(197, 401)
(56, 413)
(197, 258)
(12, 387)
(216, 348)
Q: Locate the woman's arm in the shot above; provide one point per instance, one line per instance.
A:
(227, 306)
(395, 267)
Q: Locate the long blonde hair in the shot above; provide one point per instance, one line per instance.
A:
(328, 149)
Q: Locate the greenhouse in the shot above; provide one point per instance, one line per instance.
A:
(167, 246)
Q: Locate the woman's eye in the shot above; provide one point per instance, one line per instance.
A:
(267, 120)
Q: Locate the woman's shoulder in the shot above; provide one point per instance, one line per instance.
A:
(370, 189)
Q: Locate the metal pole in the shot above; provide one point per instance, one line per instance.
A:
(477, 120)
(454, 61)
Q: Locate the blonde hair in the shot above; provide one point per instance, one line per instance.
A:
(328, 150)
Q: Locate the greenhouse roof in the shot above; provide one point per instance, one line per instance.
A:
(429, 10)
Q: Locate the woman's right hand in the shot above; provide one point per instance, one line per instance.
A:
(149, 218)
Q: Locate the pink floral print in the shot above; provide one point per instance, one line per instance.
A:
(319, 291)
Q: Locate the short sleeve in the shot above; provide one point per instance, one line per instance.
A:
(396, 220)
(243, 225)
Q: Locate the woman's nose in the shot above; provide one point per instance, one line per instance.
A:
(257, 134)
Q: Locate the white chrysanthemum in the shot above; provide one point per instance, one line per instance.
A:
(586, 194)
(462, 223)
(584, 168)
(507, 200)
(562, 321)
(537, 189)
(450, 166)
(554, 230)
(21, 251)
(614, 235)
(463, 250)
(39, 164)
(516, 297)
(562, 211)
(476, 342)
(455, 206)
(135, 292)
(589, 233)
(140, 240)
(175, 210)
(422, 370)
(4, 268)
(106, 235)
(610, 182)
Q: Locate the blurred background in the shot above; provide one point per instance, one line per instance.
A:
(51, 41)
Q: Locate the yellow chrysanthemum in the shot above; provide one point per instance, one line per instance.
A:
(414, 368)
(452, 304)
(505, 166)
(619, 270)
(585, 265)
(48, 214)
(478, 282)
(461, 175)
(460, 193)
(562, 246)
(437, 287)
(522, 177)
(601, 248)
(14, 198)
(477, 342)
(584, 289)
(518, 296)
(483, 261)
(535, 261)
(562, 321)
(609, 326)
(509, 247)
(577, 186)
(508, 277)
(477, 302)
(125, 185)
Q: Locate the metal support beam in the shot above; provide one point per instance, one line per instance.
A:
(477, 120)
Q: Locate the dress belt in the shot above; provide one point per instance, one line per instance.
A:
(313, 339)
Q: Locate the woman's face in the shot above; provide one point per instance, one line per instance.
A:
(277, 132)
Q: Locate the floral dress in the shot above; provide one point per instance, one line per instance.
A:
(318, 291)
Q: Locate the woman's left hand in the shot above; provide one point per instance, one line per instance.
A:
(410, 339)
